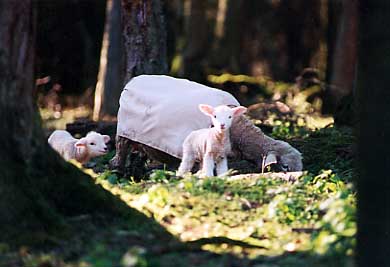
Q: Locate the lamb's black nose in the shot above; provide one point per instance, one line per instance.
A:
(105, 149)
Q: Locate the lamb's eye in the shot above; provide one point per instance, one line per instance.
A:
(92, 143)
(230, 117)
(215, 116)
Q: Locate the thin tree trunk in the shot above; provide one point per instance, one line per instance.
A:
(110, 77)
(196, 46)
(145, 38)
(343, 53)
(373, 183)
(226, 50)
(37, 188)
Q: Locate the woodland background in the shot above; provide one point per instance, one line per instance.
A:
(313, 73)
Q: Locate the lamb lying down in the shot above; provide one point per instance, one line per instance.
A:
(210, 146)
(251, 144)
(82, 150)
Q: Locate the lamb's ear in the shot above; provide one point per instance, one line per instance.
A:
(106, 138)
(239, 111)
(81, 143)
(206, 109)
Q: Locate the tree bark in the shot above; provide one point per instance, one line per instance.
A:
(37, 188)
(196, 47)
(110, 78)
(145, 45)
(342, 54)
(226, 50)
(373, 92)
(144, 33)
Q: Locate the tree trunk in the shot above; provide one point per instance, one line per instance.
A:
(226, 50)
(374, 130)
(343, 55)
(110, 78)
(144, 33)
(145, 45)
(37, 188)
(196, 47)
(302, 23)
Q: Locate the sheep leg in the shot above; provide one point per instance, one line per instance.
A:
(222, 166)
(122, 148)
(186, 164)
(208, 165)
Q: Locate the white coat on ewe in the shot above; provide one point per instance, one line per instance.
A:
(82, 150)
(158, 112)
(210, 146)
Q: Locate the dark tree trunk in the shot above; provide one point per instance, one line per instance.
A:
(302, 24)
(145, 45)
(342, 58)
(196, 33)
(145, 37)
(110, 78)
(37, 188)
(226, 50)
(374, 130)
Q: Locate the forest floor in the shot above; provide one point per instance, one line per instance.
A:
(269, 220)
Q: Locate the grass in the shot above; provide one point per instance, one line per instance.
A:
(246, 220)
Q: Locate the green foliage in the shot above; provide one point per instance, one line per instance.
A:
(329, 148)
(250, 220)
(288, 130)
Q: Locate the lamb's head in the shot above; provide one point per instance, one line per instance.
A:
(285, 157)
(94, 144)
(222, 116)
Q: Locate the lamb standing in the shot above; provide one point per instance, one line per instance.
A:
(212, 145)
(148, 116)
(90, 146)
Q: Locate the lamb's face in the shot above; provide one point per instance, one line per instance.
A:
(222, 116)
(95, 144)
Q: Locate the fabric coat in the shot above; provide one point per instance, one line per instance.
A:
(161, 111)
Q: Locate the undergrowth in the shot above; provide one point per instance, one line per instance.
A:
(247, 220)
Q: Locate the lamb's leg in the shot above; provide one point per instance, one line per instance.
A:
(122, 148)
(208, 165)
(222, 166)
(186, 164)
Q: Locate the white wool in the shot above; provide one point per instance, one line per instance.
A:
(82, 150)
(210, 146)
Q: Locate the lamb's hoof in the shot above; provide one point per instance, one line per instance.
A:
(182, 174)
(203, 176)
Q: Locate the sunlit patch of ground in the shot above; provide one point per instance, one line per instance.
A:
(247, 220)
(255, 215)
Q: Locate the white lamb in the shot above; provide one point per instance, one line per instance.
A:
(212, 145)
(82, 150)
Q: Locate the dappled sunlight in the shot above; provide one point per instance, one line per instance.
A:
(269, 216)
(287, 216)
(58, 120)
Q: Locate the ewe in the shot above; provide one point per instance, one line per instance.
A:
(210, 146)
(251, 144)
(90, 146)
